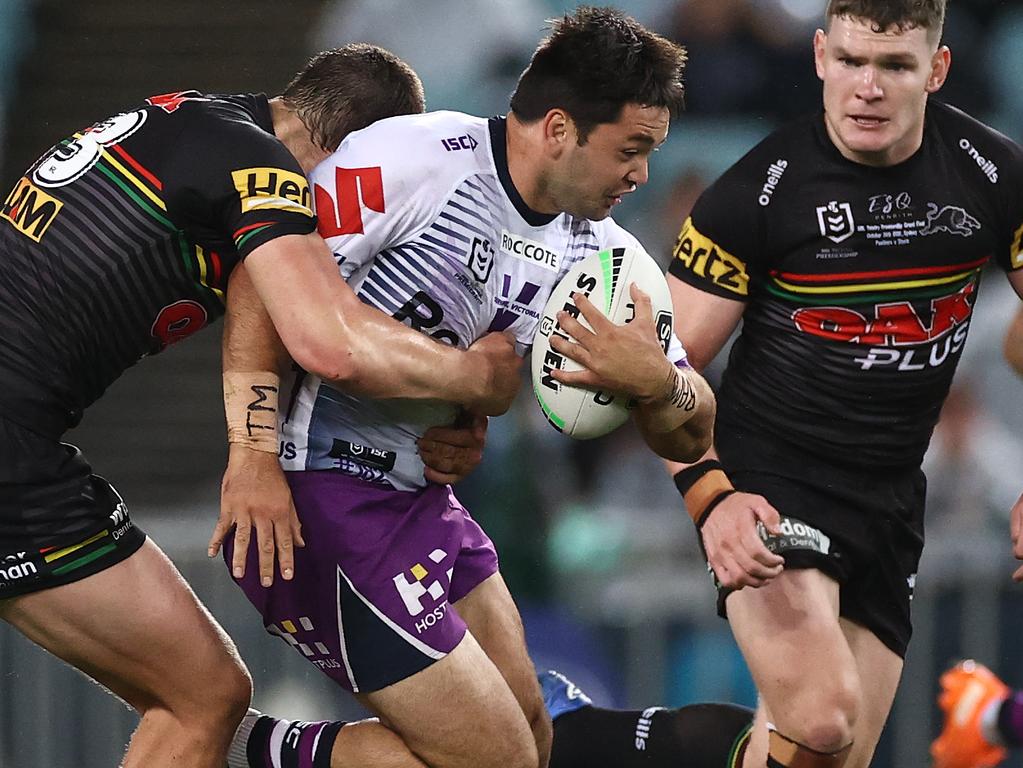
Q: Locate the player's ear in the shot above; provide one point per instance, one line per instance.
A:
(820, 42)
(941, 61)
(558, 131)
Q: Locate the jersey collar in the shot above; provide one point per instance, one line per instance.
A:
(498, 145)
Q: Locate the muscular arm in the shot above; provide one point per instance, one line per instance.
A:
(734, 549)
(1013, 345)
(704, 322)
(331, 333)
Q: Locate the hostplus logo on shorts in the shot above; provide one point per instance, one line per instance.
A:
(416, 593)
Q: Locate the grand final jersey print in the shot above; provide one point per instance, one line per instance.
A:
(860, 282)
(120, 239)
(425, 224)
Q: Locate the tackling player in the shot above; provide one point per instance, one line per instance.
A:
(464, 225)
(118, 242)
(850, 244)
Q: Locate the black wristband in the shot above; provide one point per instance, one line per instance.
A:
(686, 478)
(710, 507)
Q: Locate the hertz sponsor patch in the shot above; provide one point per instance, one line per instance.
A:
(261, 189)
(1016, 251)
(703, 257)
(30, 209)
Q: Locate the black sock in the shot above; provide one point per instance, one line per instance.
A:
(697, 736)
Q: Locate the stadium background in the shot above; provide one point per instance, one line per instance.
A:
(594, 545)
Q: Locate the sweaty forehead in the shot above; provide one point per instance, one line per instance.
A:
(858, 36)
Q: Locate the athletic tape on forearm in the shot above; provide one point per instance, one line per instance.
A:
(704, 485)
(250, 404)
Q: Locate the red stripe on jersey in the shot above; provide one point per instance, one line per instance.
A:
(258, 224)
(882, 273)
(138, 167)
(215, 264)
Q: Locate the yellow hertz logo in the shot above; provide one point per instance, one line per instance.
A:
(1016, 252)
(703, 257)
(276, 188)
(30, 210)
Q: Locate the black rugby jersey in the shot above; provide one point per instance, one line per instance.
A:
(119, 242)
(859, 281)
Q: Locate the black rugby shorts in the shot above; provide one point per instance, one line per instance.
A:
(863, 528)
(58, 522)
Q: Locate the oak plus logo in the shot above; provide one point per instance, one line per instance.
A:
(423, 596)
(836, 221)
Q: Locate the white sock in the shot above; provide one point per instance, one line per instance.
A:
(237, 755)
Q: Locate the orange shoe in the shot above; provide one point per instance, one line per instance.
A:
(966, 691)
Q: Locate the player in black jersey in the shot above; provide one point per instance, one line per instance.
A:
(850, 244)
(117, 242)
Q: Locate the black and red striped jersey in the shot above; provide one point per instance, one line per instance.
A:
(120, 239)
(859, 281)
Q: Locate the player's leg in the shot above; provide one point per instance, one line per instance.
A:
(493, 619)
(802, 664)
(587, 736)
(879, 670)
(138, 629)
(370, 606)
(458, 713)
(982, 718)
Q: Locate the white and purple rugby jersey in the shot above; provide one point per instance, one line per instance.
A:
(426, 225)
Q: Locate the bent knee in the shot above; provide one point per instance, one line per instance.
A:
(825, 720)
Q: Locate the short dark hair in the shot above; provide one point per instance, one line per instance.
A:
(885, 14)
(348, 88)
(595, 61)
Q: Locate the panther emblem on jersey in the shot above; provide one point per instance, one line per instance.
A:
(951, 219)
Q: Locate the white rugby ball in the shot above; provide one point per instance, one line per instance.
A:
(604, 278)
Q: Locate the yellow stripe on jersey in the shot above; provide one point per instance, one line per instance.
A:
(705, 258)
(262, 188)
(861, 287)
(200, 256)
(134, 180)
(68, 550)
(1016, 251)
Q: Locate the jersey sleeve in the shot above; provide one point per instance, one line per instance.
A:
(1010, 255)
(230, 180)
(368, 195)
(718, 248)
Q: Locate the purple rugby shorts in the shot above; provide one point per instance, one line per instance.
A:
(370, 603)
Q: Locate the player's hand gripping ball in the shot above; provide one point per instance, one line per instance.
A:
(604, 278)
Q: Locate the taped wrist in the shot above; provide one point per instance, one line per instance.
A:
(703, 486)
(783, 752)
(250, 405)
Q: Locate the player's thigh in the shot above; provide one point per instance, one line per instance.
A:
(493, 618)
(790, 636)
(458, 713)
(880, 669)
(138, 629)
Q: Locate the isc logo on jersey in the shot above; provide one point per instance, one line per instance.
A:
(30, 210)
(272, 188)
(529, 250)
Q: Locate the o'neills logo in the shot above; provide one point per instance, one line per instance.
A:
(987, 167)
(529, 250)
(774, 174)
